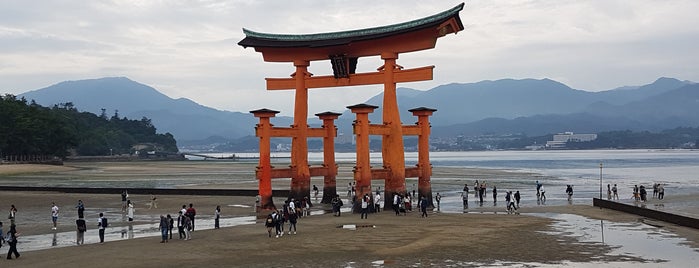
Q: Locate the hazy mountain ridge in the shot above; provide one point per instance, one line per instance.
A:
(184, 118)
(530, 106)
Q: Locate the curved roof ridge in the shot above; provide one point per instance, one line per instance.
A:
(360, 32)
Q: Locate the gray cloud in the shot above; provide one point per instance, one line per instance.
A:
(188, 48)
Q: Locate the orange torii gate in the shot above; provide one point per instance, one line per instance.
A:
(343, 49)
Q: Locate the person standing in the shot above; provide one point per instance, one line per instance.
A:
(609, 192)
(396, 203)
(124, 198)
(13, 214)
(130, 209)
(180, 225)
(101, 225)
(377, 200)
(336, 204)
(517, 197)
(495, 194)
(661, 191)
(293, 219)
(615, 195)
(170, 225)
(187, 226)
(315, 191)
(365, 207)
(54, 215)
(163, 228)
(217, 216)
(81, 209)
(191, 213)
(12, 240)
(82, 227)
(464, 197)
(269, 224)
(437, 198)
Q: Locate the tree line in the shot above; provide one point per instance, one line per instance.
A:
(27, 128)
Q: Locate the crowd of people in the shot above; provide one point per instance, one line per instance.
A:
(291, 212)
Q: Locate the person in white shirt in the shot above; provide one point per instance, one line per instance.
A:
(54, 214)
(377, 200)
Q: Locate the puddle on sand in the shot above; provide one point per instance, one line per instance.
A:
(659, 247)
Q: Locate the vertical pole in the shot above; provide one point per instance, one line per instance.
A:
(600, 180)
(301, 177)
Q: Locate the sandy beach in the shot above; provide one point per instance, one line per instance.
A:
(484, 236)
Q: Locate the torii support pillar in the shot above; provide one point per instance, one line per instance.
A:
(263, 130)
(329, 180)
(362, 171)
(423, 155)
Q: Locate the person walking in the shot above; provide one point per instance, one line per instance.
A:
(12, 240)
(101, 226)
(54, 215)
(217, 216)
(615, 195)
(153, 202)
(438, 198)
(80, 233)
(661, 191)
(423, 206)
(163, 228)
(517, 197)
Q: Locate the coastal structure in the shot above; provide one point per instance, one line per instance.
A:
(343, 50)
(561, 139)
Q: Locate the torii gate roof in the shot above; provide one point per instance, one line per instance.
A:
(426, 29)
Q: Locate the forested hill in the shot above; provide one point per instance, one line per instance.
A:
(31, 129)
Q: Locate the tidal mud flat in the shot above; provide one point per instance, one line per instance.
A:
(483, 236)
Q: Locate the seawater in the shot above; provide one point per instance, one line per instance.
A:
(677, 170)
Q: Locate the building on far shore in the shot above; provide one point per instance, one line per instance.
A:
(559, 140)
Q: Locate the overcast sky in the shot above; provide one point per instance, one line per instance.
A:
(189, 48)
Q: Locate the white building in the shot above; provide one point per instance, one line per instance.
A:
(560, 139)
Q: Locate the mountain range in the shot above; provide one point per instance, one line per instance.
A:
(529, 106)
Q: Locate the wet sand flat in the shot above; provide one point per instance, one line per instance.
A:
(485, 235)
